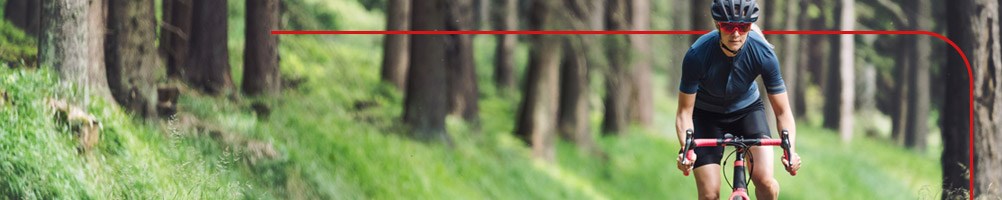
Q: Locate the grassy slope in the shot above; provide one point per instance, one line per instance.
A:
(333, 150)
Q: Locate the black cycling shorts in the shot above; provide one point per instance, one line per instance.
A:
(749, 122)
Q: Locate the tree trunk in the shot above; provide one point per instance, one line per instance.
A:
(24, 14)
(805, 62)
(684, 9)
(977, 34)
(16, 11)
(462, 77)
(574, 110)
(819, 60)
(618, 81)
(701, 17)
(574, 119)
(74, 45)
(641, 104)
(596, 20)
(261, 68)
(97, 69)
(131, 55)
(208, 65)
(791, 71)
(972, 25)
(505, 18)
(483, 14)
(955, 120)
(425, 102)
(918, 125)
(396, 47)
(538, 111)
(176, 35)
(847, 64)
(167, 8)
(831, 83)
(903, 77)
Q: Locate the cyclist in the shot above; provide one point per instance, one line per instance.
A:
(718, 95)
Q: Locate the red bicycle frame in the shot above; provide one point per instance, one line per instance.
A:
(741, 145)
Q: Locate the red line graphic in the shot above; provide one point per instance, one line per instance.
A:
(970, 75)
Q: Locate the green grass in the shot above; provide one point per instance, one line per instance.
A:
(132, 160)
(330, 149)
(16, 47)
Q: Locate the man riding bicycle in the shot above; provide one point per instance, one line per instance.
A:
(721, 67)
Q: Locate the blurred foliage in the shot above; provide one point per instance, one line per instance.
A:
(16, 47)
(378, 5)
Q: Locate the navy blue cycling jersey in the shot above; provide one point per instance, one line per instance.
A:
(725, 84)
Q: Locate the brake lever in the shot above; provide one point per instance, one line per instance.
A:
(784, 135)
(687, 147)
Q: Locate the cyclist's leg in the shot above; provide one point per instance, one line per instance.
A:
(708, 181)
(766, 186)
(755, 125)
(707, 165)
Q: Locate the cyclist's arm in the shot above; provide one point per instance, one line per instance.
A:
(692, 72)
(784, 116)
(683, 118)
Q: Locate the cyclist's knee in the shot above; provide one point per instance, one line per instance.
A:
(767, 186)
(709, 196)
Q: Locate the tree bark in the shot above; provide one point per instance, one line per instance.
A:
(807, 65)
(574, 121)
(483, 14)
(261, 67)
(831, 83)
(641, 104)
(679, 8)
(596, 21)
(701, 17)
(72, 42)
(462, 77)
(902, 89)
(396, 47)
(918, 125)
(505, 18)
(791, 71)
(820, 61)
(847, 66)
(167, 8)
(954, 121)
(972, 25)
(208, 64)
(425, 102)
(131, 55)
(176, 35)
(618, 81)
(538, 111)
(978, 33)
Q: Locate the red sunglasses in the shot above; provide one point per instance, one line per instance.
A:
(730, 27)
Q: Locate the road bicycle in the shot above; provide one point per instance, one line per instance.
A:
(741, 145)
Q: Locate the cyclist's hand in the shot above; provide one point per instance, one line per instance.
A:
(685, 165)
(793, 166)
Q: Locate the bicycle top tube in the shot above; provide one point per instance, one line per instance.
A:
(736, 142)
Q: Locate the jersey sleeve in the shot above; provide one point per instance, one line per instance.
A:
(771, 75)
(692, 71)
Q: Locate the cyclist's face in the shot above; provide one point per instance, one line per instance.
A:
(733, 37)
